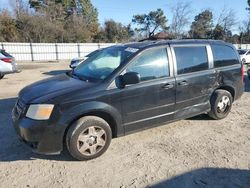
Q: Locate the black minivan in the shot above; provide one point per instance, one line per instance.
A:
(126, 88)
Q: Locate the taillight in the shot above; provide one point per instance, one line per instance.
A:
(7, 60)
(242, 73)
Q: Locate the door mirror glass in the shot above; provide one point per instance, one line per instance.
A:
(74, 63)
(127, 79)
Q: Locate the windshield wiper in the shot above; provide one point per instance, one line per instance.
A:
(80, 77)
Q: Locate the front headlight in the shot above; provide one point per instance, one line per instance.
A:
(40, 111)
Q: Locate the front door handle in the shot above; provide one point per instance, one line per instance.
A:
(168, 86)
(183, 83)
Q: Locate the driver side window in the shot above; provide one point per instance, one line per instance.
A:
(151, 64)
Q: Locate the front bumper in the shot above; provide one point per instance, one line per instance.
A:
(42, 137)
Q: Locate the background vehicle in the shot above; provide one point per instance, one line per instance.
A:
(248, 73)
(76, 61)
(244, 55)
(126, 88)
(7, 64)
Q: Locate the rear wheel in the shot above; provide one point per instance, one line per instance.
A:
(88, 138)
(221, 103)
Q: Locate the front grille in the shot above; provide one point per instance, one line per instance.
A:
(20, 104)
(19, 108)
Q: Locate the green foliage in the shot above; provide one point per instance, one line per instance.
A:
(218, 32)
(114, 32)
(77, 21)
(201, 27)
(8, 32)
(52, 21)
(150, 23)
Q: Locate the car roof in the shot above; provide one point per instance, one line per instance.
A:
(152, 43)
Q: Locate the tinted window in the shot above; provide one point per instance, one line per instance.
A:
(242, 52)
(224, 56)
(191, 59)
(151, 64)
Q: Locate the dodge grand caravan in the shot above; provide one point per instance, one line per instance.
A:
(125, 88)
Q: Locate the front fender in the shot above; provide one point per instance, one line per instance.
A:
(68, 116)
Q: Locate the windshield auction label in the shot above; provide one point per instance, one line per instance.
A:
(132, 50)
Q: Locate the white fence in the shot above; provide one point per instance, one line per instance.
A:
(50, 51)
(242, 46)
(58, 51)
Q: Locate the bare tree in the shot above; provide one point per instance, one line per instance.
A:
(244, 29)
(181, 12)
(227, 20)
(19, 7)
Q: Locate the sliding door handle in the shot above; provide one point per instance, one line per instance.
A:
(183, 83)
(168, 86)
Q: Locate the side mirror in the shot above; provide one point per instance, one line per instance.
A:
(75, 62)
(128, 79)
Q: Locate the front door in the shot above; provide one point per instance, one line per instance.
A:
(152, 100)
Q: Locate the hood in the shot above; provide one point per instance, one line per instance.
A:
(60, 84)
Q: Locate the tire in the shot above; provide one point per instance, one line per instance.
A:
(88, 138)
(221, 104)
(1, 76)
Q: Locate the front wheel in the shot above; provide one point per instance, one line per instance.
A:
(221, 104)
(88, 138)
(1, 76)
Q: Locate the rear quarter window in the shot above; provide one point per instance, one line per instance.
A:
(224, 56)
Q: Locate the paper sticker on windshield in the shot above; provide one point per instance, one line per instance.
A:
(132, 50)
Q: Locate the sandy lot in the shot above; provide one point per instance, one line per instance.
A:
(198, 152)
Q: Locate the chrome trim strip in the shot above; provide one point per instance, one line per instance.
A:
(146, 119)
(210, 57)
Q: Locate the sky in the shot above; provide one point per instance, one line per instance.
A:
(123, 11)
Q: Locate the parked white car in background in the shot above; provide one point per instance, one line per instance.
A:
(7, 64)
(244, 55)
(76, 61)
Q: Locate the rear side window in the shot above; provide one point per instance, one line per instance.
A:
(224, 56)
(151, 64)
(191, 59)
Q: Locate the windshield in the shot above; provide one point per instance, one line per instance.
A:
(100, 65)
(242, 52)
(93, 53)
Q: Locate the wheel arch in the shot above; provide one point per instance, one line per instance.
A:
(102, 110)
(101, 114)
(228, 88)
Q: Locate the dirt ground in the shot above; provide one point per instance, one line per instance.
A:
(198, 152)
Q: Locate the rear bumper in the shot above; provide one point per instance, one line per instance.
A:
(8, 68)
(239, 92)
(43, 139)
